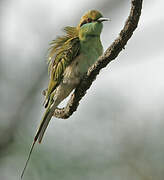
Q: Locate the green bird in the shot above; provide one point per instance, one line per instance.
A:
(69, 58)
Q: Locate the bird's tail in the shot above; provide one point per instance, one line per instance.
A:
(44, 123)
(41, 130)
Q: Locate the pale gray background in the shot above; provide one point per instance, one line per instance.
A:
(117, 131)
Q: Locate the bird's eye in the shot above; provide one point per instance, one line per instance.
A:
(89, 20)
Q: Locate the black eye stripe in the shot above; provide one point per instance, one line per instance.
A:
(84, 22)
(89, 20)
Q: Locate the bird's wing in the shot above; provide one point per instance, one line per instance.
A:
(62, 52)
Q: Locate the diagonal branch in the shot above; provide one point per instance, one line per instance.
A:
(110, 54)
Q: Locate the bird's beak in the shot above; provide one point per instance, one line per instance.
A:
(103, 19)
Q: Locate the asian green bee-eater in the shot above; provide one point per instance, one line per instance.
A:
(69, 58)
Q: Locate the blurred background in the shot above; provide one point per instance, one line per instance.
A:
(117, 131)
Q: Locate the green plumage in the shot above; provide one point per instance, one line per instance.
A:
(61, 53)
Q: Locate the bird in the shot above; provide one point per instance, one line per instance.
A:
(69, 58)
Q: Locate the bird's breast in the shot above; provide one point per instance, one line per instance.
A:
(72, 73)
(89, 53)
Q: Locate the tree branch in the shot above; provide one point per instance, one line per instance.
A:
(110, 54)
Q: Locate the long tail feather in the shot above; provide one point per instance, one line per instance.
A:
(46, 119)
(31, 149)
(41, 130)
(45, 123)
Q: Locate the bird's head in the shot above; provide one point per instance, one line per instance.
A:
(91, 23)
